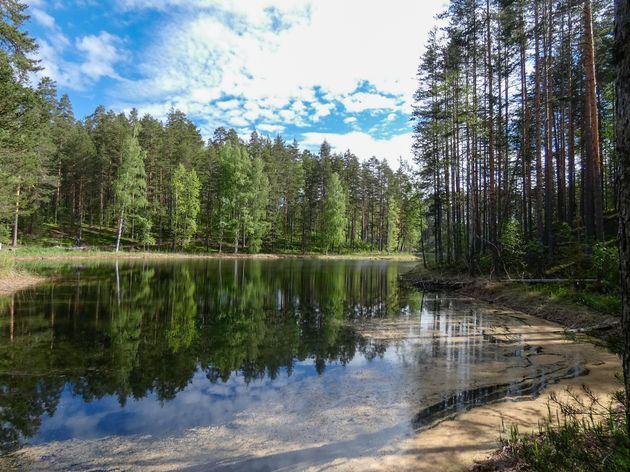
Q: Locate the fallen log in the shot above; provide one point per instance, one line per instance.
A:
(547, 281)
(438, 284)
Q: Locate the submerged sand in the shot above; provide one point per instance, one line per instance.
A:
(381, 426)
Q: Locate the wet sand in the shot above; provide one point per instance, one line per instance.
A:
(386, 424)
(13, 282)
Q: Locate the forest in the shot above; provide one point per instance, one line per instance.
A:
(515, 137)
(161, 186)
(513, 169)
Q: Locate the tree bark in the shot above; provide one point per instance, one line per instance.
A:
(17, 215)
(492, 216)
(571, 134)
(120, 225)
(595, 205)
(622, 109)
(539, 180)
(549, 185)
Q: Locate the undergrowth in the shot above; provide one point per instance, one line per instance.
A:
(579, 434)
(591, 297)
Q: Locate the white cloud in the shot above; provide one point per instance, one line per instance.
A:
(364, 146)
(362, 101)
(322, 48)
(42, 18)
(272, 129)
(350, 119)
(101, 54)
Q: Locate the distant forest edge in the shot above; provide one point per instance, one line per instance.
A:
(158, 184)
(514, 148)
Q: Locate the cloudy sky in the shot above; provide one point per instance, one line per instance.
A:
(340, 70)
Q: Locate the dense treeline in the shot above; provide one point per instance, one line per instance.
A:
(159, 184)
(514, 135)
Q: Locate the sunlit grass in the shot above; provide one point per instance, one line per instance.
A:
(588, 296)
(578, 434)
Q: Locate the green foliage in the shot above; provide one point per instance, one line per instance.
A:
(393, 221)
(535, 256)
(586, 437)
(186, 187)
(606, 262)
(334, 214)
(255, 223)
(587, 296)
(130, 185)
(511, 247)
(5, 233)
(16, 47)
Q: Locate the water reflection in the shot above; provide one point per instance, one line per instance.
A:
(132, 330)
(324, 349)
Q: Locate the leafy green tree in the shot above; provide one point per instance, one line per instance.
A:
(185, 188)
(334, 214)
(257, 226)
(393, 221)
(130, 185)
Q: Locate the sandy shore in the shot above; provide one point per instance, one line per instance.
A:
(15, 281)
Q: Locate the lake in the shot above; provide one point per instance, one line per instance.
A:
(248, 364)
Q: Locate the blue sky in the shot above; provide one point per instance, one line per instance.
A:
(340, 70)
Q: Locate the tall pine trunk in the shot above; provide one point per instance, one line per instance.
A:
(17, 215)
(594, 201)
(622, 109)
(492, 211)
(537, 106)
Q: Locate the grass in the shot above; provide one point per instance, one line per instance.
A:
(588, 296)
(55, 241)
(7, 265)
(582, 434)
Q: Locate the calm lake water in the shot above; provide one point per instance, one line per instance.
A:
(248, 364)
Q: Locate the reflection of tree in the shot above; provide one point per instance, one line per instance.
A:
(181, 329)
(27, 391)
(142, 329)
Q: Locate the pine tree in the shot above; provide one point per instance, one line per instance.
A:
(622, 79)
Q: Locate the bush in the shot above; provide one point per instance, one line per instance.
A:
(536, 256)
(511, 251)
(606, 262)
(582, 435)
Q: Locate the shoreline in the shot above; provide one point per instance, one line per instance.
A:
(580, 323)
(149, 255)
(575, 318)
(12, 282)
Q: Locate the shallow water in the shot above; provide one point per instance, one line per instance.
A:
(255, 365)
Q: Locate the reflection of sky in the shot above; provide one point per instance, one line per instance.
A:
(201, 403)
